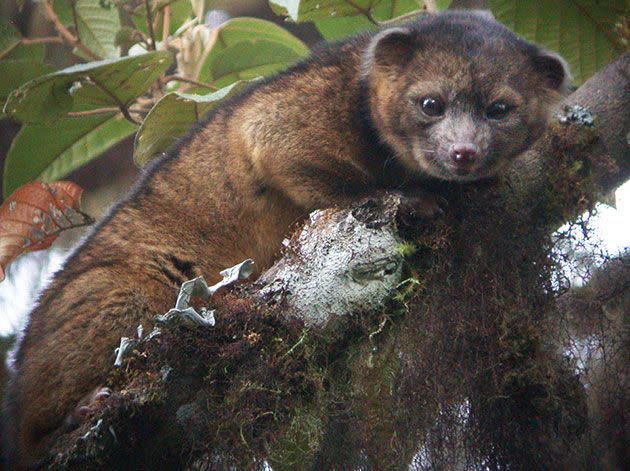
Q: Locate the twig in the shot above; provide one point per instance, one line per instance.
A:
(99, 111)
(147, 6)
(65, 34)
(42, 40)
(166, 25)
(177, 78)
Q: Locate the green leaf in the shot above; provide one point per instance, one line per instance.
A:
(9, 37)
(86, 86)
(311, 10)
(379, 10)
(16, 72)
(50, 152)
(19, 63)
(245, 48)
(582, 32)
(339, 18)
(98, 22)
(173, 116)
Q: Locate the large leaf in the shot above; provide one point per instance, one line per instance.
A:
(312, 10)
(48, 153)
(86, 86)
(98, 22)
(245, 48)
(16, 72)
(581, 31)
(172, 117)
(19, 63)
(339, 18)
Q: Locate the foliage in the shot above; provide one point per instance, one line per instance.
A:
(245, 48)
(335, 19)
(583, 32)
(107, 83)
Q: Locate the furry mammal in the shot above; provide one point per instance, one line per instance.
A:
(450, 97)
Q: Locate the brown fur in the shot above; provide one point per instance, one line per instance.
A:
(338, 126)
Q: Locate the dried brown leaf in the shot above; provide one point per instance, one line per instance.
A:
(34, 216)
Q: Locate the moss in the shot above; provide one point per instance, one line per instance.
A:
(406, 249)
(461, 369)
(300, 442)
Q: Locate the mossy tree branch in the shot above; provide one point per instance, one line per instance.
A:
(314, 365)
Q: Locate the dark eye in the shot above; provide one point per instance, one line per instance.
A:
(432, 106)
(498, 110)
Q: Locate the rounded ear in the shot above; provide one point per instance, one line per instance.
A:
(554, 69)
(390, 48)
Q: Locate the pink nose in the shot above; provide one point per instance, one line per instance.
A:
(463, 154)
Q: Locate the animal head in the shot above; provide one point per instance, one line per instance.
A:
(457, 95)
